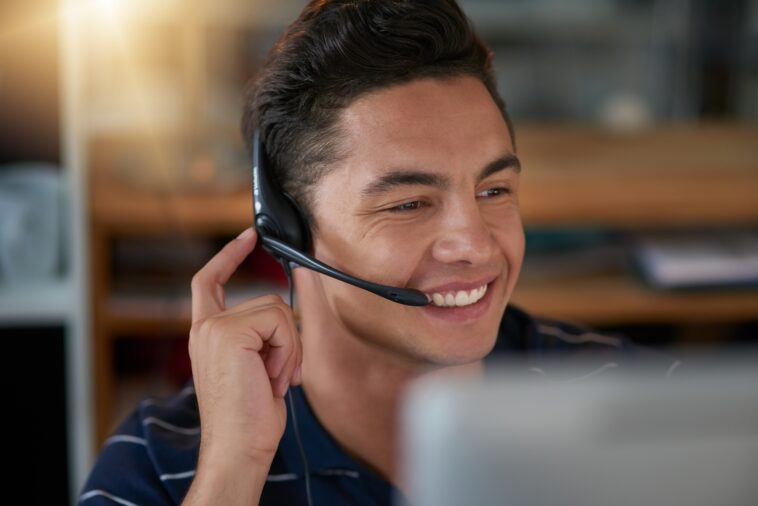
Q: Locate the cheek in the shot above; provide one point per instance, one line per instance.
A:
(509, 235)
(393, 255)
(387, 256)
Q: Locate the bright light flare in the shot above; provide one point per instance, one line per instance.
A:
(108, 6)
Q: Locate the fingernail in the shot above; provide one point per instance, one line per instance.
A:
(246, 233)
(298, 376)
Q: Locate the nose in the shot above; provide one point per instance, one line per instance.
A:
(464, 237)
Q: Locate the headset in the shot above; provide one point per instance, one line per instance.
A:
(283, 233)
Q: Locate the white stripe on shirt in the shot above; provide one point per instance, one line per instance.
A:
(340, 472)
(586, 337)
(123, 438)
(282, 477)
(189, 390)
(189, 431)
(95, 493)
(178, 476)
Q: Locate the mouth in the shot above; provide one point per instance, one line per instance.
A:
(461, 302)
(458, 298)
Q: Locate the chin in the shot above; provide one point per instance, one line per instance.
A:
(426, 336)
(453, 350)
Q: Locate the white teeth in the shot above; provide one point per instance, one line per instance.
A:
(459, 298)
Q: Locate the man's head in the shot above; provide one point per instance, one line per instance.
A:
(337, 51)
(381, 119)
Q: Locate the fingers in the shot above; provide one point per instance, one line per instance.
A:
(284, 379)
(281, 365)
(285, 349)
(208, 282)
(265, 325)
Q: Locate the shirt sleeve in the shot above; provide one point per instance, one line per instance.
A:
(124, 472)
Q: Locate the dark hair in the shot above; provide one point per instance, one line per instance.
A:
(338, 50)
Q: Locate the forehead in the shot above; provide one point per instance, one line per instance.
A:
(431, 123)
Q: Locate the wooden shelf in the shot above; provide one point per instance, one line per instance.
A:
(143, 314)
(125, 211)
(613, 299)
(668, 177)
(592, 300)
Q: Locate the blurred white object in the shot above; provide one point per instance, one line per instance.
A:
(622, 438)
(698, 260)
(625, 112)
(30, 223)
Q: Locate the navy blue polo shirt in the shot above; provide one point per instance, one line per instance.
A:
(151, 457)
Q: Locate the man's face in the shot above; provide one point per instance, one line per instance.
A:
(427, 198)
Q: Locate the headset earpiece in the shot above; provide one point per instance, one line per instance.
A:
(276, 214)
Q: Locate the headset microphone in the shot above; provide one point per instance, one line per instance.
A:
(283, 233)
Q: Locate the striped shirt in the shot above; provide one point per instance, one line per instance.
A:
(151, 458)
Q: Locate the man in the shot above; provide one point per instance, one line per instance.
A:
(381, 119)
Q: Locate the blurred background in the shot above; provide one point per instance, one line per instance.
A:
(122, 171)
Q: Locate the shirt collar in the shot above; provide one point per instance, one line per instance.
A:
(321, 450)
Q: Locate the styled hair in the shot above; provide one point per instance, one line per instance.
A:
(338, 50)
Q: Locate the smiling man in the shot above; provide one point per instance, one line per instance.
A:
(382, 121)
(426, 198)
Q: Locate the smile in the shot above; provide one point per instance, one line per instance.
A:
(458, 299)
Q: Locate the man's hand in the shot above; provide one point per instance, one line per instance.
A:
(243, 360)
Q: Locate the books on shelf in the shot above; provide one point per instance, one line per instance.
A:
(698, 259)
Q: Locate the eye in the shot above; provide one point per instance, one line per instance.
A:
(494, 192)
(407, 206)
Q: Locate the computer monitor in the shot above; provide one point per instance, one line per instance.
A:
(620, 438)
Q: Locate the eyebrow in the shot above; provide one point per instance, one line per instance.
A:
(402, 177)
